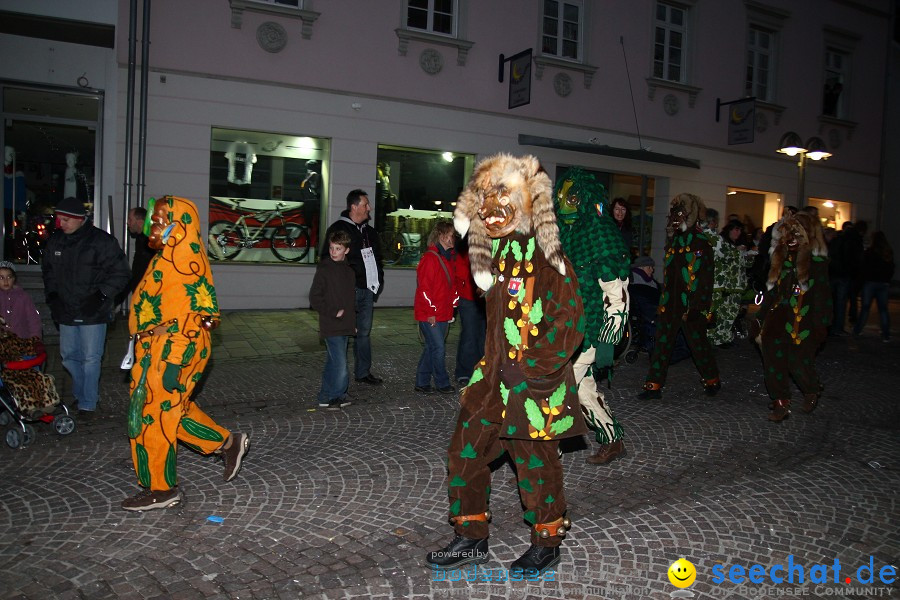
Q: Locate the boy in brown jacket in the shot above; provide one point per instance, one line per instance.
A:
(333, 296)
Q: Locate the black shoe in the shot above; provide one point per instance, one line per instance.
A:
(424, 389)
(338, 403)
(459, 551)
(713, 388)
(370, 379)
(86, 415)
(536, 560)
(447, 390)
(463, 381)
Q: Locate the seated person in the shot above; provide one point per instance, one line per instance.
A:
(644, 293)
(18, 310)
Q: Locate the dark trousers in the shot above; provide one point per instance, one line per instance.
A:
(667, 327)
(471, 338)
(783, 359)
(475, 444)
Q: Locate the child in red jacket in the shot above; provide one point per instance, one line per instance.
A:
(436, 298)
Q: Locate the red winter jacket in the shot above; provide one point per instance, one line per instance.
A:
(435, 290)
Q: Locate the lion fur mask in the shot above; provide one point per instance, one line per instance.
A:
(685, 212)
(798, 233)
(507, 194)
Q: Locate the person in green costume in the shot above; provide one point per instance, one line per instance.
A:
(593, 243)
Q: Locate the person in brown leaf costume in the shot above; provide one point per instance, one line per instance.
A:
(522, 397)
(686, 298)
(795, 314)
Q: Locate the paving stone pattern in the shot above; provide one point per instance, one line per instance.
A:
(345, 504)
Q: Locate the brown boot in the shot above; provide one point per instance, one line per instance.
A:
(810, 402)
(781, 409)
(607, 453)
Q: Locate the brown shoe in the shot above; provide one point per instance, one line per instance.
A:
(810, 402)
(233, 451)
(781, 410)
(152, 499)
(607, 453)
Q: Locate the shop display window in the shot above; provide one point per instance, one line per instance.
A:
(413, 189)
(267, 196)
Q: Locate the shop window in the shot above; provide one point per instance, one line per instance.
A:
(413, 189)
(670, 38)
(561, 29)
(45, 160)
(268, 194)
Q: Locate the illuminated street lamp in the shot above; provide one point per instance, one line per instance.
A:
(814, 149)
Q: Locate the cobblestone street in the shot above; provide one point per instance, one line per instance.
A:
(345, 504)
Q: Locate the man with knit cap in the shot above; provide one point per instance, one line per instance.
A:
(84, 268)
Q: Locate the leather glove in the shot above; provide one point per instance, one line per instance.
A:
(511, 373)
(170, 377)
(92, 304)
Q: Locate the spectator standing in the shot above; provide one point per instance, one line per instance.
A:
(857, 247)
(332, 295)
(16, 307)
(84, 269)
(473, 319)
(877, 271)
(143, 253)
(621, 214)
(433, 306)
(365, 259)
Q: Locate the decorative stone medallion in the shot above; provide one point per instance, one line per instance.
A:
(671, 105)
(271, 37)
(562, 84)
(431, 61)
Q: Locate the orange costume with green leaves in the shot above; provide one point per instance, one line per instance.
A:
(174, 308)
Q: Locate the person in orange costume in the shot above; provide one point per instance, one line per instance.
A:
(174, 310)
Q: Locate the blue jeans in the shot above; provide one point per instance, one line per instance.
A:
(362, 349)
(81, 347)
(433, 354)
(335, 379)
(877, 290)
(471, 337)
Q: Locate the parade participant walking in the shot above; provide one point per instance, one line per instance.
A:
(332, 296)
(522, 397)
(795, 314)
(83, 268)
(592, 242)
(174, 309)
(433, 306)
(686, 298)
(365, 258)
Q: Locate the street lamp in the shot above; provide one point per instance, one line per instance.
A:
(814, 149)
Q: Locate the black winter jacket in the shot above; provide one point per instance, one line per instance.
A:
(76, 267)
(361, 236)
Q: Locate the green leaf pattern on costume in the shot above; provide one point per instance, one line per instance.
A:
(535, 417)
(513, 336)
(557, 397)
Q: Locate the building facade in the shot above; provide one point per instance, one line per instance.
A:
(266, 113)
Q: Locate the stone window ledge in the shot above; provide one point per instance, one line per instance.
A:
(308, 17)
(544, 61)
(462, 46)
(653, 83)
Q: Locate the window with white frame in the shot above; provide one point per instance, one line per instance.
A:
(760, 62)
(837, 76)
(433, 16)
(561, 29)
(670, 37)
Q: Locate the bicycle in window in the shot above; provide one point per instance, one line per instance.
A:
(287, 236)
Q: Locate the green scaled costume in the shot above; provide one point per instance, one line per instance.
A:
(593, 244)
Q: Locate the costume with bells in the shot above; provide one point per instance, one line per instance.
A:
(593, 243)
(795, 314)
(686, 298)
(522, 397)
(174, 309)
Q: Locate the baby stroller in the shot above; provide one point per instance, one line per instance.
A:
(27, 396)
(641, 335)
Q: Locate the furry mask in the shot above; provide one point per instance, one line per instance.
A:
(507, 194)
(685, 212)
(800, 234)
(579, 192)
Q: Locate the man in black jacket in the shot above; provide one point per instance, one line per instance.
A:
(84, 269)
(365, 258)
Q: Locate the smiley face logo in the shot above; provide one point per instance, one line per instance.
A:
(682, 573)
